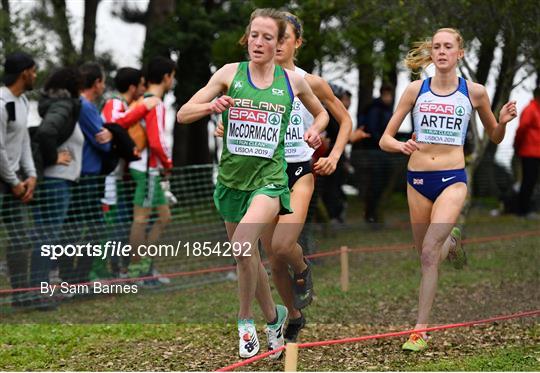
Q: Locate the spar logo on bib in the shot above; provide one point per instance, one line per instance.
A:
(434, 108)
(256, 116)
(296, 119)
(460, 110)
(274, 119)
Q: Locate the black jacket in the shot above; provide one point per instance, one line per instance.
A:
(377, 117)
(122, 147)
(60, 113)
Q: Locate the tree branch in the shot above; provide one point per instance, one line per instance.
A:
(525, 77)
(61, 27)
(470, 71)
(130, 15)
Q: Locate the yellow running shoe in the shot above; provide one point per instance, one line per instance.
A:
(415, 343)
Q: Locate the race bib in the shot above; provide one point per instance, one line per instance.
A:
(440, 124)
(294, 137)
(253, 132)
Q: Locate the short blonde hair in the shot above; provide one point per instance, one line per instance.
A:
(275, 14)
(419, 57)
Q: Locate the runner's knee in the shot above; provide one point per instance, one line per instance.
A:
(430, 256)
(283, 247)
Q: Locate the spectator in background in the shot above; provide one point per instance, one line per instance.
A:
(527, 146)
(374, 166)
(57, 146)
(130, 85)
(85, 218)
(331, 186)
(155, 159)
(17, 170)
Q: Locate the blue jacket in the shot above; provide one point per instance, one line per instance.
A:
(91, 123)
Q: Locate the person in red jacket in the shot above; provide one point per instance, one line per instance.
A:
(527, 146)
(125, 107)
(156, 159)
(131, 85)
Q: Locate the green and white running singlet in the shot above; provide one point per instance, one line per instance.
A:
(254, 129)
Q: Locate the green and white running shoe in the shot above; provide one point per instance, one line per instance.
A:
(248, 344)
(274, 332)
(457, 256)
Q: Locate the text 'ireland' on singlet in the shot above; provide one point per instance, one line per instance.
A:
(254, 131)
(296, 149)
(442, 119)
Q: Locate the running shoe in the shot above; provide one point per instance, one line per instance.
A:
(415, 343)
(162, 280)
(275, 332)
(141, 268)
(248, 345)
(303, 287)
(293, 328)
(457, 256)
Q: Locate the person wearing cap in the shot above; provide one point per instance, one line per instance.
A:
(17, 170)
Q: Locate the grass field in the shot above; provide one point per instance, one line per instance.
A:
(194, 329)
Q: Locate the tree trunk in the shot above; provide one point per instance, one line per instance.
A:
(391, 58)
(156, 15)
(68, 54)
(366, 76)
(500, 97)
(483, 157)
(487, 50)
(89, 30)
(8, 41)
(191, 142)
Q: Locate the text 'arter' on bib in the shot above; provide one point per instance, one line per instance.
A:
(442, 119)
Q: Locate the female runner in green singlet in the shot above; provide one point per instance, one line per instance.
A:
(252, 187)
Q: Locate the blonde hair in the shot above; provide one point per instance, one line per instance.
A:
(275, 14)
(419, 57)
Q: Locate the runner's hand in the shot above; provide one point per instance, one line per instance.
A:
(221, 104)
(508, 112)
(312, 138)
(410, 146)
(325, 166)
(218, 132)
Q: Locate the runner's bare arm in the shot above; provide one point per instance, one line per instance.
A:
(388, 142)
(201, 105)
(302, 90)
(322, 90)
(480, 100)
